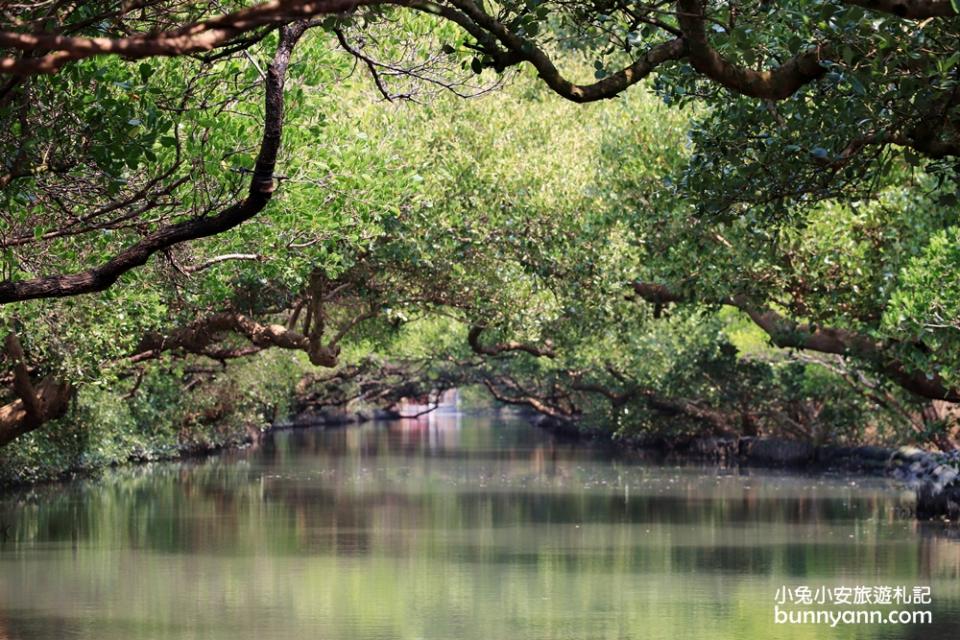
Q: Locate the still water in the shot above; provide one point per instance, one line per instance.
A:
(454, 528)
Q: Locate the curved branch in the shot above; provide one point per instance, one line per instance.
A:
(527, 400)
(202, 336)
(774, 84)
(36, 404)
(608, 87)
(789, 334)
(191, 38)
(261, 189)
(718, 421)
(912, 9)
(198, 336)
(473, 338)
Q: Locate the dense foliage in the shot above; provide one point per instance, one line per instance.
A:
(719, 249)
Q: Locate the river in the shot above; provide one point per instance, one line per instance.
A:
(456, 528)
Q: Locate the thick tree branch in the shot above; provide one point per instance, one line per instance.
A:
(774, 84)
(924, 139)
(191, 38)
(36, 403)
(199, 336)
(912, 9)
(261, 189)
(51, 397)
(204, 336)
(610, 86)
(789, 334)
(473, 338)
(22, 384)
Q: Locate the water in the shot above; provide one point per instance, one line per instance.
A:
(454, 529)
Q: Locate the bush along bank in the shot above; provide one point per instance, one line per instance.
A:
(172, 411)
(191, 409)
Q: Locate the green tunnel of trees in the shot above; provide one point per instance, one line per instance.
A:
(676, 217)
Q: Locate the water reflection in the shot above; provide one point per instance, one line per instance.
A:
(453, 527)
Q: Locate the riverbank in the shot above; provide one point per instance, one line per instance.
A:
(934, 477)
(12, 479)
(224, 438)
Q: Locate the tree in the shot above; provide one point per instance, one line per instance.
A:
(840, 40)
(811, 124)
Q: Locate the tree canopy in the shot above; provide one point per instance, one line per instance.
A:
(752, 228)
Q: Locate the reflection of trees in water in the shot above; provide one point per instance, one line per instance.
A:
(400, 492)
(367, 527)
(937, 549)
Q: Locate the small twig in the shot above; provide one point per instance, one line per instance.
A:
(263, 76)
(189, 270)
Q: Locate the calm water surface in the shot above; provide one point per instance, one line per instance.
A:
(457, 529)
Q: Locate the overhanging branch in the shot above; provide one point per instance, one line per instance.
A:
(36, 404)
(473, 338)
(190, 38)
(261, 189)
(789, 334)
(773, 84)
(912, 9)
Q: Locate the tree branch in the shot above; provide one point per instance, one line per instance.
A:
(912, 9)
(775, 84)
(36, 404)
(529, 401)
(473, 338)
(198, 336)
(206, 264)
(191, 38)
(608, 87)
(259, 194)
(789, 334)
